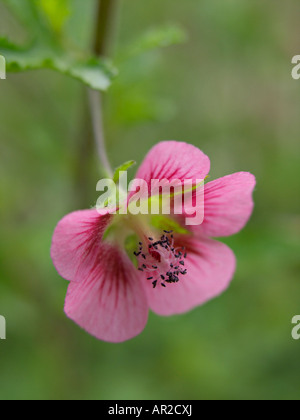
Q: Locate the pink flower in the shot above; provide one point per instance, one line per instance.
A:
(112, 288)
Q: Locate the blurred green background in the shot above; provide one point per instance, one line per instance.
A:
(229, 91)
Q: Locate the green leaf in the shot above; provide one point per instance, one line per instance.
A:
(123, 168)
(45, 19)
(28, 14)
(56, 12)
(95, 72)
(18, 59)
(158, 38)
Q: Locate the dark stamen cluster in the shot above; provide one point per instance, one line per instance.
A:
(165, 248)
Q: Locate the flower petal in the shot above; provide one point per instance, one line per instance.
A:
(76, 243)
(111, 303)
(228, 205)
(174, 160)
(210, 267)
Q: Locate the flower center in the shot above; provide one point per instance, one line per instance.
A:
(162, 262)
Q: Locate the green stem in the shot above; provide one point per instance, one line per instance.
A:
(105, 17)
(83, 175)
(105, 14)
(95, 100)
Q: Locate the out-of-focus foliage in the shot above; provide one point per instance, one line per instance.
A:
(46, 49)
(229, 91)
(49, 49)
(94, 72)
(159, 37)
(56, 11)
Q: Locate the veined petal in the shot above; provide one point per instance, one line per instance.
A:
(111, 303)
(228, 205)
(210, 267)
(174, 160)
(76, 243)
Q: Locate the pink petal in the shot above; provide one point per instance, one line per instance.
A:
(174, 160)
(210, 267)
(76, 243)
(228, 205)
(110, 304)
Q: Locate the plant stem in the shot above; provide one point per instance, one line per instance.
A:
(95, 100)
(84, 173)
(105, 16)
(102, 37)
